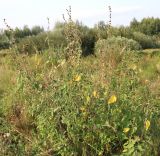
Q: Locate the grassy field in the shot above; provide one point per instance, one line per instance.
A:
(99, 106)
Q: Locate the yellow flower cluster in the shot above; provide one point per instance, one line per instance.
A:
(77, 78)
(126, 130)
(84, 111)
(95, 94)
(147, 124)
(133, 67)
(112, 99)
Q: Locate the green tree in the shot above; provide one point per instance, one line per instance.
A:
(36, 30)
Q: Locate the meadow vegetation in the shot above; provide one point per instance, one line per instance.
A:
(78, 91)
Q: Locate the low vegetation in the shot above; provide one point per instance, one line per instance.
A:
(55, 101)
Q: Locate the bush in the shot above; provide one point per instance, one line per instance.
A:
(144, 40)
(4, 45)
(117, 44)
(41, 42)
(4, 42)
(88, 39)
(57, 38)
(122, 31)
(113, 50)
(32, 44)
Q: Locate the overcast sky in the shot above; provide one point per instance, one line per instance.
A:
(35, 12)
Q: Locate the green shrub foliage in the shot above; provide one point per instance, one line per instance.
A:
(144, 40)
(120, 43)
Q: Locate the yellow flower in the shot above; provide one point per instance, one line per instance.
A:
(133, 67)
(85, 114)
(147, 124)
(95, 94)
(88, 99)
(126, 130)
(112, 99)
(77, 78)
(83, 109)
(62, 63)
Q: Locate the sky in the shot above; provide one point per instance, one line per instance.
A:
(35, 12)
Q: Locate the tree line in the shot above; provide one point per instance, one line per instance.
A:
(146, 32)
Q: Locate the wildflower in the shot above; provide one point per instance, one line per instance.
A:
(147, 124)
(83, 109)
(133, 67)
(112, 99)
(88, 99)
(62, 63)
(85, 114)
(105, 93)
(77, 78)
(126, 130)
(6, 135)
(95, 94)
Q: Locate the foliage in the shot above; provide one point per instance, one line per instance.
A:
(17, 34)
(102, 30)
(146, 32)
(73, 50)
(119, 44)
(31, 45)
(65, 110)
(55, 102)
(123, 32)
(144, 40)
(148, 26)
(88, 39)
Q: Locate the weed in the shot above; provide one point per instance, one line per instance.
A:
(73, 50)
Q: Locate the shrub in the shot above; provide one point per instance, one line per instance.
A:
(122, 31)
(41, 42)
(73, 50)
(4, 45)
(4, 42)
(144, 40)
(116, 43)
(56, 38)
(88, 39)
(32, 44)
